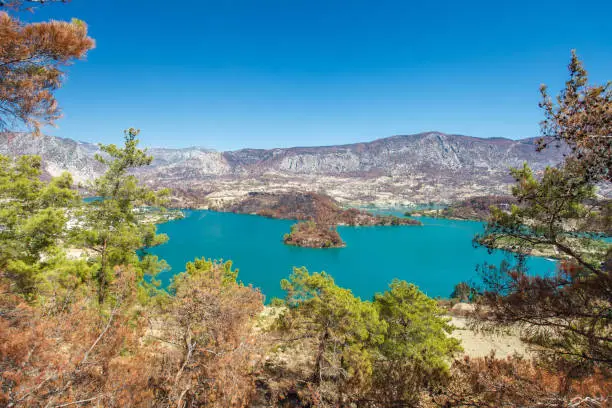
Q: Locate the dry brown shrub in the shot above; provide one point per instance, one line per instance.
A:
(518, 382)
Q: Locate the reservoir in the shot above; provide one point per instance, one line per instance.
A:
(435, 256)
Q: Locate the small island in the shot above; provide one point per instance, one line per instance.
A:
(309, 234)
(319, 215)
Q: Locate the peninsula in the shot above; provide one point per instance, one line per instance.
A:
(319, 215)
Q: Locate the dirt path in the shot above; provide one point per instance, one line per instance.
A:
(480, 345)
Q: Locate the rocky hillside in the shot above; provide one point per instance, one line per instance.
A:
(58, 154)
(401, 169)
(429, 153)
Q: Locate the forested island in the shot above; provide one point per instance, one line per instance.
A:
(321, 213)
(309, 206)
(309, 234)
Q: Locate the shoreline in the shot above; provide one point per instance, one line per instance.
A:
(534, 253)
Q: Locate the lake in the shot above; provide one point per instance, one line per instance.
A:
(435, 256)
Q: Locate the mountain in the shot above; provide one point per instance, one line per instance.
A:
(424, 167)
(58, 154)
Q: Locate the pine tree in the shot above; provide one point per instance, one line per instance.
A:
(112, 226)
(566, 315)
(33, 225)
(345, 331)
(32, 59)
(416, 350)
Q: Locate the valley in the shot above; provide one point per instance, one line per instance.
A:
(325, 255)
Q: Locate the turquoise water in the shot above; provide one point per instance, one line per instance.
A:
(435, 256)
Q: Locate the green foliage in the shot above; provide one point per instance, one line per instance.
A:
(416, 350)
(345, 329)
(277, 302)
(581, 118)
(112, 228)
(39, 220)
(565, 315)
(386, 351)
(206, 267)
(33, 218)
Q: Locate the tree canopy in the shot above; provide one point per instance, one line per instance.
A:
(112, 227)
(566, 315)
(32, 61)
(344, 328)
(416, 350)
(381, 353)
(33, 226)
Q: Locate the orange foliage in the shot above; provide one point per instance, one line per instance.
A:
(31, 61)
(517, 382)
(312, 235)
(51, 359)
(210, 346)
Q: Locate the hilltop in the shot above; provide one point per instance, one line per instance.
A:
(397, 170)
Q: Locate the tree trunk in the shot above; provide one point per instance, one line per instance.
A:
(102, 282)
(316, 376)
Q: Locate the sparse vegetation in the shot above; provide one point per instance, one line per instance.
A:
(463, 292)
(565, 315)
(319, 208)
(312, 235)
(476, 208)
(319, 213)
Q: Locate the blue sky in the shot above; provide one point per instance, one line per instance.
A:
(228, 74)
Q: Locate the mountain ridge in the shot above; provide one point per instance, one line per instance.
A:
(428, 166)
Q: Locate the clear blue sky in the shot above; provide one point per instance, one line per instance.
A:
(227, 74)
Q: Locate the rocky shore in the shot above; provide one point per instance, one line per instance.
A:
(319, 215)
(308, 234)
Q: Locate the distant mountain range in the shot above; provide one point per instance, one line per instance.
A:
(430, 166)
